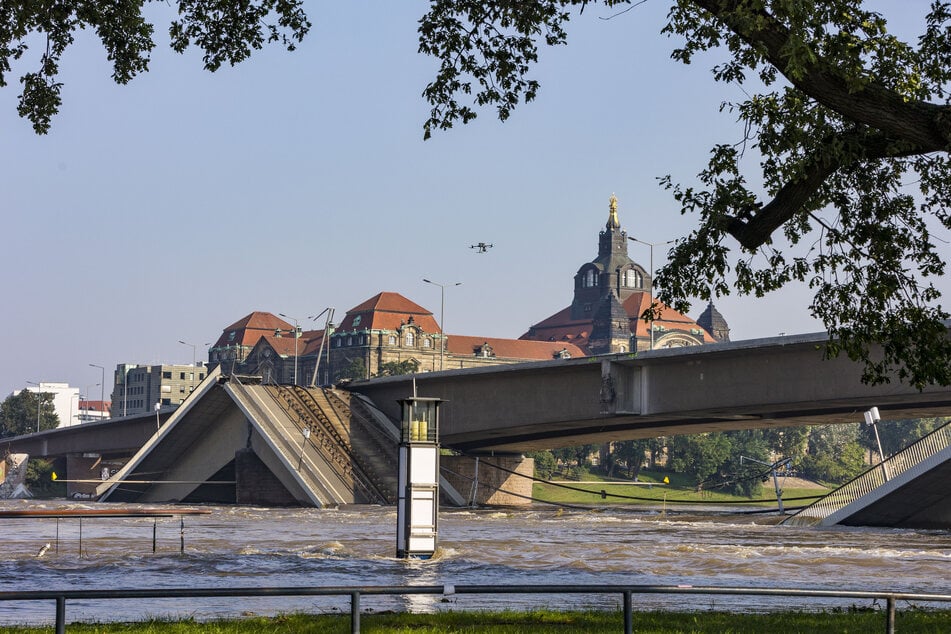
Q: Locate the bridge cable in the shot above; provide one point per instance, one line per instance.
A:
(604, 494)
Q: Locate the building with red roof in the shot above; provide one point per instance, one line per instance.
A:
(611, 295)
(389, 333)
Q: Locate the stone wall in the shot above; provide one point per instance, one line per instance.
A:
(495, 487)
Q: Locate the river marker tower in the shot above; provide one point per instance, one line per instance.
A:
(418, 488)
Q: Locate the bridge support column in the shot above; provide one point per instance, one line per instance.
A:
(255, 484)
(84, 472)
(491, 479)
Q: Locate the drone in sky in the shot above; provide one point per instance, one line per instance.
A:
(481, 247)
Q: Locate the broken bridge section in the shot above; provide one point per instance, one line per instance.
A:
(235, 440)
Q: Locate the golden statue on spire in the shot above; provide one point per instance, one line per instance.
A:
(613, 222)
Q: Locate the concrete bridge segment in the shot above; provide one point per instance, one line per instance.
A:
(782, 381)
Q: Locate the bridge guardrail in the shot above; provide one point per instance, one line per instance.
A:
(356, 592)
(863, 484)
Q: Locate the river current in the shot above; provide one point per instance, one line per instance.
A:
(242, 546)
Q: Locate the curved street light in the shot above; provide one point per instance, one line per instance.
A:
(650, 287)
(296, 337)
(102, 384)
(442, 315)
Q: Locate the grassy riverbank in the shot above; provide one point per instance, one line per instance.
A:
(541, 622)
(651, 489)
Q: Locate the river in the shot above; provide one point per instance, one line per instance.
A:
(242, 546)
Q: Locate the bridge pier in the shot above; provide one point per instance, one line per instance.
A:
(491, 479)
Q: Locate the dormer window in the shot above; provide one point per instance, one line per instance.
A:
(633, 278)
(409, 339)
(590, 278)
(391, 340)
(427, 343)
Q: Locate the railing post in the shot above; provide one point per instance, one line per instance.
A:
(890, 622)
(60, 615)
(628, 616)
(354, 613)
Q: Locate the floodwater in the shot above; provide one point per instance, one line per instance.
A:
(242, 546)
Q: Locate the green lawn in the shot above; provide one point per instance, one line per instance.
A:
(652, 490)
(540, 622)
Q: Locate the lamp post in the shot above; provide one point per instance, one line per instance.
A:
(650, 287)
(37, 404)
(88, 387)
(194, 350)
(330, 315)
(296, 337)
(442, 316)
(872, 418)
(102, 383)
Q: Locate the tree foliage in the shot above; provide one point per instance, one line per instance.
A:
(226, 31)
(18, 413)
(396, 368)
(852, 128)
(355, 370)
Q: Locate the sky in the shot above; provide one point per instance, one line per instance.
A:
(166, 209)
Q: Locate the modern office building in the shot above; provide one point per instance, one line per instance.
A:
(138, 388)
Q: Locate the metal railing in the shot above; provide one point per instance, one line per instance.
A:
(896, 464)
(626, 592)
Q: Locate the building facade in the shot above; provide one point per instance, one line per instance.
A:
(611, 295)
(390, 333)
(138, 388)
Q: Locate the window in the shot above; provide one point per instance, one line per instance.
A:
(633, 278)
(427, 343)
(391, 340)
(410, 338)
(349, 341)
(166, 388)
(590, 278)
(166, 401)
(181, 375)
(166, 375)
(201, 376)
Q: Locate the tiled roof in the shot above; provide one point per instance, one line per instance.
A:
(95, 406)
(249, 329)
(464, 345)
(560, 326)
(387, 311)
(669, 319)
(390, 302)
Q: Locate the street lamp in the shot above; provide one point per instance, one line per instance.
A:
(330, 315)
(88, 416)
(296, 337)
(37, 404)
(650, 291)
(194, 350)
(872, 418)
(102, 384)
(442, 315)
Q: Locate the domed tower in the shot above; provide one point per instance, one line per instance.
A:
(713, 322)
(613, 270)
(611, 294)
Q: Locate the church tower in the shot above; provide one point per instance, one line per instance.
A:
(612, 271)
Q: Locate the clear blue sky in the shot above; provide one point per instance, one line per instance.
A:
(167, 209)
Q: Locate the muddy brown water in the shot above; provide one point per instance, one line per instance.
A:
(242, 546)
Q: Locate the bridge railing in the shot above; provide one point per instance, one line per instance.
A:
(895, 465)
(355, 593)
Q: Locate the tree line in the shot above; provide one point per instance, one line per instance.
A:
(732, 461)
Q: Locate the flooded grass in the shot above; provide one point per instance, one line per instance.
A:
(537, 622)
